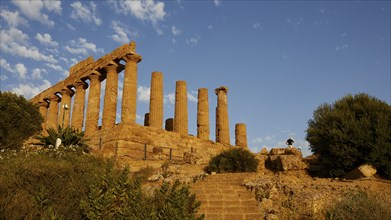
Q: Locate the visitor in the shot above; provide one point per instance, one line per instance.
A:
(290, 142)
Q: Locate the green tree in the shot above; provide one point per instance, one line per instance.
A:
(352, 131)
(19, 119)
(233, 161)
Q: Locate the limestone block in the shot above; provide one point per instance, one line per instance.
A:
(146, 119)
(261, 161)
(277, 151)
(156, 101)
(289, 162)
(241, 135)
(190, 158)
(222, 121)
(180, 116)
(203, 130)
(129, 92)
(293, 151)
(363, 171)
(169, 125)
(264, 151)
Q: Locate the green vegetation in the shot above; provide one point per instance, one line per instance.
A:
(68, 136)
(359, 206)
(67, 183)
(233, 161)
(20, 119)
(352, 131)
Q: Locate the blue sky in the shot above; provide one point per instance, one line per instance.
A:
(279, 59)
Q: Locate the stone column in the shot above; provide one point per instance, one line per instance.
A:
(169, 126)
(110, 99)
(129, 93)
(146, 119)
(93, 106)
(43, 109)
(180, 117)
(203, 114)
(65, 107)
(222, 121)
(78, 105)
(241, 135)
(156, 101)
(53, 111)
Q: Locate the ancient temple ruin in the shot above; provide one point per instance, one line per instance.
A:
(127, 139)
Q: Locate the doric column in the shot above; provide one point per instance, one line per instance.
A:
(129, 93)
(180, 116)
(65, 107)
(110, 100)
(43, 109)
(156, 101)
(203, 114)
(169, 125)
(241, 135)
(53, 111)
(78, 105)
(93, 106)
(146, 119)
(222, 122)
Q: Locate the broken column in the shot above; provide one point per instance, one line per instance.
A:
(180, 116)
(110, 99)
(78, 105)
(222, 122)
(129, 95)
(53, 111)
(169, 125)
(93, 106)
(241, 135)
(156, 101)
(65, 107)
(203, 114)
(146, 119)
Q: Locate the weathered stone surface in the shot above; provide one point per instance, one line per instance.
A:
(169, 125)
(93, 105)
(129, 92)
(65, 107)
(289, 162)
(261, 161)
(222, 121)
(53, 111)
(264, 151)
(146, 119)
(43, 110)
(156, 101)
(293, 151)
(110, 99)
(78, 105)
(241, 135)
(277, 151)
(203, 130)
(190, 158)
(180, 117)
(363, 171)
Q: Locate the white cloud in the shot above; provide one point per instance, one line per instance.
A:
(71, 27)
(33, 9)
(146, 10)
(82, 46)
(143, 94)
(15, 42)
(192, 96)
(13, 18)
(210, 27)
(257, 26)
(46, 40)
(3, 77)
(175, 31)
(21, 70)
(37, 73)
(342, 47)
(121, 32)
(5, 65)
(58, 68)
(192, 41)
(85, 13)
(257, 140)
(29, 90)
(170, 98)
(217, 3)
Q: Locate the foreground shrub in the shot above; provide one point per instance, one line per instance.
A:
(233, 161)
(46, 184)
(69, 137)
(19, 119)
(359, 206)
(352, 131)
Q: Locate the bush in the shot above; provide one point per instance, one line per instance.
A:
(352, 131)
(68, 136)
(233, 161)
(359, 205)
(20, 119)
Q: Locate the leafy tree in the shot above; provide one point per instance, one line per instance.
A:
(352, 131)
(19, 119)
(233, 161)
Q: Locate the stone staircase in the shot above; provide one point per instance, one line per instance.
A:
(222, 197)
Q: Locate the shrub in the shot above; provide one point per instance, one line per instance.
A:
(352, 131)
(359, 205)
(20, 119)
(69, 137)
(233, 161)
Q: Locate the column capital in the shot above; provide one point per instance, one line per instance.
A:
(67, 91)
(221, 88)
(54, 97)
(113, 66)
(132, 57)
(80, 85)
(42, 103)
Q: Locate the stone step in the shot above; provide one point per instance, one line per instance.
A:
(233, 216)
